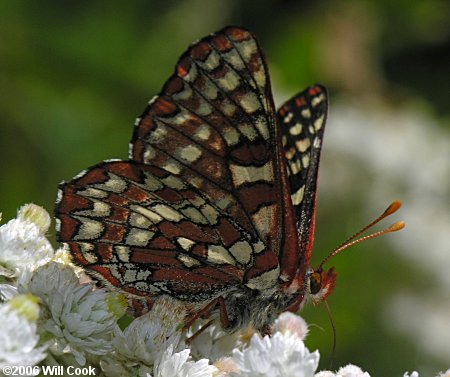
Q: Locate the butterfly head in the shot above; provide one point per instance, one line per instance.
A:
(320, 284)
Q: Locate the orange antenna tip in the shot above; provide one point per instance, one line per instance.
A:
(392, 208)
(397, 226)
(353, 240)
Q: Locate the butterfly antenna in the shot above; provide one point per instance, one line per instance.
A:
(333, 351)
(393, 207)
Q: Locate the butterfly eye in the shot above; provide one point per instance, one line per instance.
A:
(315, 282)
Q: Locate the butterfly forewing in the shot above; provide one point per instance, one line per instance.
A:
(213, 126)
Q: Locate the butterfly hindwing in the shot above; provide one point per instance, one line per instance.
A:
(141, 228)
(302, 120)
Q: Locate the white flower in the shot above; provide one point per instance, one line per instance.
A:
(325, 373)
(78, 316)
(113, 367)
(147, 337)
(347, 371)
(177, 365)
(23, 246)
(283, 355)
(52, 282)
(226, 367)
(7, 292)
(36, 215)
(213, 343)
(291, 322)
(413, 374)
(26, 305)
(18, 335)
(351, 371)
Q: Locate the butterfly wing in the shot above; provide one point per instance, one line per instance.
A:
(213, 125)
(198, 209)
(141, 228)
(302, 120)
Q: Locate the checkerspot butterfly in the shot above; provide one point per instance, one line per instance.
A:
(216, 204)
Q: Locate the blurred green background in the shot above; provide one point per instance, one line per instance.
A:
(75, 74)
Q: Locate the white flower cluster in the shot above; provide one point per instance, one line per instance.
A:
(49, 318)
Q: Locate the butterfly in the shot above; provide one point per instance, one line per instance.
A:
(216, 205)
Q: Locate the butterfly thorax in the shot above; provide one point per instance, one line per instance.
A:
(258, 309)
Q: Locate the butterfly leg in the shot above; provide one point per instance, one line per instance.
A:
(198, 332)
(206, 312)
